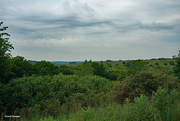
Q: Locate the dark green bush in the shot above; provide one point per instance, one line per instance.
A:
(45, 68)
(177, 68)
(21, 67)
(28, 91)
(171, 63)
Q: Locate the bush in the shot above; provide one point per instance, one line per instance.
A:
(122, 75)
(143, 83)
(88, 113)
(163, 106)
(140, 110)
(45, 68)
(50, 118)
(167, 104)
(171, 63)
(177, 68)
(28, 91)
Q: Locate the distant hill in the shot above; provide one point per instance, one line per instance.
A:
(65, 62)
(32, 61)
(153, 61)
(58, 62)
(161, 61)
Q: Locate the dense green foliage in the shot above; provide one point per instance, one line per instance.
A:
(177, 67)
(143, 83)
(20, 67)
(89, 91)
(5, 48)
(66, 92)
(163, 106)
(28, 91)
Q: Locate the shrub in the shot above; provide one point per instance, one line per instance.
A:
(88, 114)
(177, 68)
(119, 97)
(167, 104)
(137, 66)
(171, 63)
(140, 110)
(143, 83)
(50, 118)
(122, 75)
(51, 107)
(28, 91)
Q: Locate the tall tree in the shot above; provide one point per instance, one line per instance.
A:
(5, 49)
(46, 68)
(177, 66)
(137, 66)
(5, 45)
(21, 67)
(86, 68)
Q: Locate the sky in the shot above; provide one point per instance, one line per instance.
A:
(77, 30)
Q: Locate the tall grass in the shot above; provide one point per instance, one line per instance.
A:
(162, 106)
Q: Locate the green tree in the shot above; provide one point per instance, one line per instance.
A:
(66, 70)
(86, 68)
(99, 69)
(137, 66)
(46, 68)
(113, 73)
(122, 75)
(177, 66)
(21, 67)
(5, 49)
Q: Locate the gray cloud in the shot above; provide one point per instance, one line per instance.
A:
(92, 28)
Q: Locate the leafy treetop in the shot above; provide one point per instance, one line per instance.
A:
(5, 45)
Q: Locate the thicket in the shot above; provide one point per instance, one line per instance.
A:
(163, 105)
(29, 91)
(67, 95)
(143, 83)
(65, 92)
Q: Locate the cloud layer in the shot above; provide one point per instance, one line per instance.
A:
(91, 29)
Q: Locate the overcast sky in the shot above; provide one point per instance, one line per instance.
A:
(69, 30)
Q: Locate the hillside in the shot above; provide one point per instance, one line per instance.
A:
(167, 62)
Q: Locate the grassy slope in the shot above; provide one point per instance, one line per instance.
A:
(151, 62)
